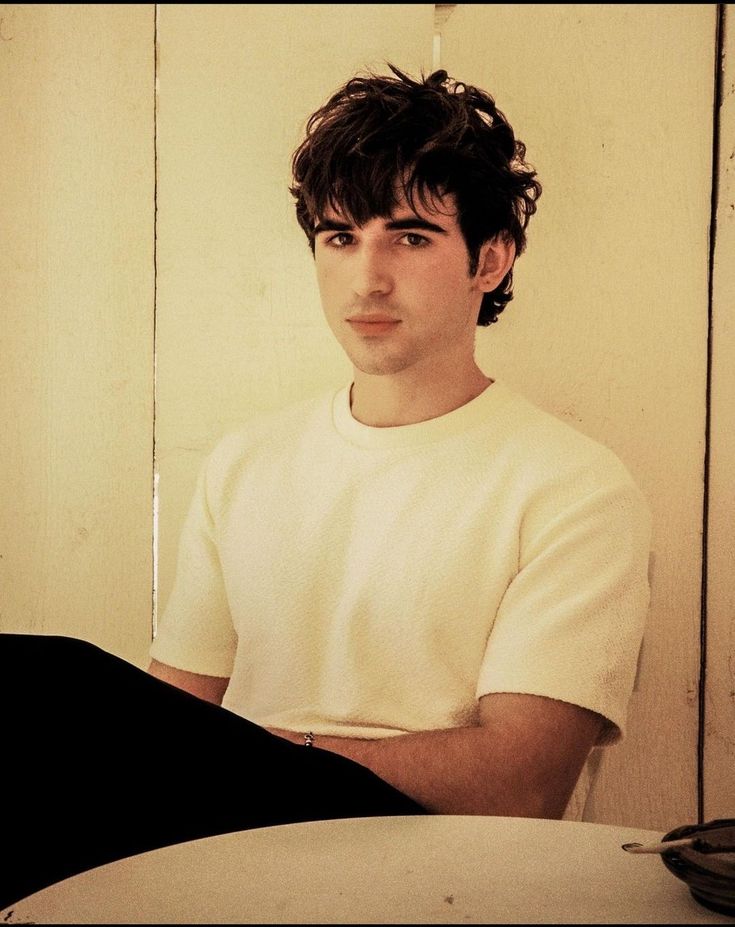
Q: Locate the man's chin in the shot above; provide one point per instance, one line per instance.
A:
(380, 368)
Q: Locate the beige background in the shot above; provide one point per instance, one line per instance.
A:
(76, 337)
(609, 327)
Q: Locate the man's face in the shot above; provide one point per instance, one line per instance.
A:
(397, 291)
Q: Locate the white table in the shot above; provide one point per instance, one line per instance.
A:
(426, 869)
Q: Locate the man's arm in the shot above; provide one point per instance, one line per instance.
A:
(522, 760)
(209, 688)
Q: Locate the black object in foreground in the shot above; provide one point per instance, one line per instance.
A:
(703, 857)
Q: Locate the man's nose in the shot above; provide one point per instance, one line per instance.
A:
(371, 273)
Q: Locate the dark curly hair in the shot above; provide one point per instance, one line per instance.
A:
(377, 136)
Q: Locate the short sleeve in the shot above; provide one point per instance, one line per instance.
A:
(571, 622)
(196, 632)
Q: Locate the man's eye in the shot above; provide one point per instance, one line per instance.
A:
(414, 240)
(340, 239)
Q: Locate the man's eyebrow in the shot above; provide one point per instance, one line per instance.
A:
(393, 225)
(331, 225)
(414, 222)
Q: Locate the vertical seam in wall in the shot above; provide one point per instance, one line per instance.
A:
(436, 53)
(442, 12)
(714, 196)
(154, 476)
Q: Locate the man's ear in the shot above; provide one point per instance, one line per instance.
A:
(496, 259)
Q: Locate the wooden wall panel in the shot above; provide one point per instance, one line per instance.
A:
(719, 709)
(609, 326)
(76, 298)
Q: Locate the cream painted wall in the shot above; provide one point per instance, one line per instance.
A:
(609, 326)
(76, 265)
(240, 326)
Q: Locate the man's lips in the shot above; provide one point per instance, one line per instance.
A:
(373, 323)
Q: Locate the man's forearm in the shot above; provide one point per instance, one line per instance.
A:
(523, 759)
(457, 771)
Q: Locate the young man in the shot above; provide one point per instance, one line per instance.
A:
(417, 594)
(422, 573)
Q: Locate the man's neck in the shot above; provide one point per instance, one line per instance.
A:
(387, 401)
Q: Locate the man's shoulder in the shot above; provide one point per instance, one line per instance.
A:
(268, 429)
(552, 445)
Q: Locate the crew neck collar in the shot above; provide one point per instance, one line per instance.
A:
(470, 415)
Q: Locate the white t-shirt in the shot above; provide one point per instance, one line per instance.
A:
(366, 582)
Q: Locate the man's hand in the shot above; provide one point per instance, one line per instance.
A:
(522, 760)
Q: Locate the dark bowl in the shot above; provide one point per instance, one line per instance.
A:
(709, 876)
